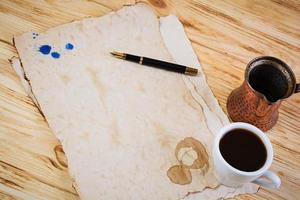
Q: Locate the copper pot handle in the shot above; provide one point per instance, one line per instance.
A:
(297, 88)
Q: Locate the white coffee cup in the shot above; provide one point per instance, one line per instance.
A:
(230, 176)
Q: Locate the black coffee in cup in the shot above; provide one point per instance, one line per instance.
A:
(243, 150)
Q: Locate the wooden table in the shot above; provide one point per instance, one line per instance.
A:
(225, 34)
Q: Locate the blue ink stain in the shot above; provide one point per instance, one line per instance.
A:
(55, 55)
(69, 46)
(45, 49)
(34, 35)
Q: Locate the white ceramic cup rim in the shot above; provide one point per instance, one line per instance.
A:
(257, 132)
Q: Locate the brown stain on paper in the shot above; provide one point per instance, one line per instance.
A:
(85, 136)
(180, 174)
(115, 135)
(202, 157)
(96, 81)
(66, 79)
(101, 89)
(141, 88)
(165, 140)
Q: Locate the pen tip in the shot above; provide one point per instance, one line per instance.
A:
(118, 54)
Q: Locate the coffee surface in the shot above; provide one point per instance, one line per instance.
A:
(243, 150)
(269, 81)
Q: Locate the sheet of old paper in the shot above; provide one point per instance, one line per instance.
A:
(128, 131)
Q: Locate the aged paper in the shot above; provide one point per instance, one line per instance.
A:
(128, 131)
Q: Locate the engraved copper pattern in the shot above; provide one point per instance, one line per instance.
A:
(245, 105)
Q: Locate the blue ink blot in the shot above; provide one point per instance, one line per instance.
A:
(45, 49)
(55, 55)
(34, 35)
(69, 46)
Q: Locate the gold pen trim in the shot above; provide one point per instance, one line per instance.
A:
(141, 60)
(118, 54)
(191, 71)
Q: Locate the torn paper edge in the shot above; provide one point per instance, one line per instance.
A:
(17, 66)
(181, 51)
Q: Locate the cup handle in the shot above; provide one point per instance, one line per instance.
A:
(272, 182)
(297, 88)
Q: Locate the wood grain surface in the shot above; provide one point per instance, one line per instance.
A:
(225, 34)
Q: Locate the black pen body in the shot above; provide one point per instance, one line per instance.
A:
(156, 63)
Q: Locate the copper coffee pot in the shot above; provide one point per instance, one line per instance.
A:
(268, 81)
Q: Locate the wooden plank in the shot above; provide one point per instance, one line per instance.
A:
(225, 34)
